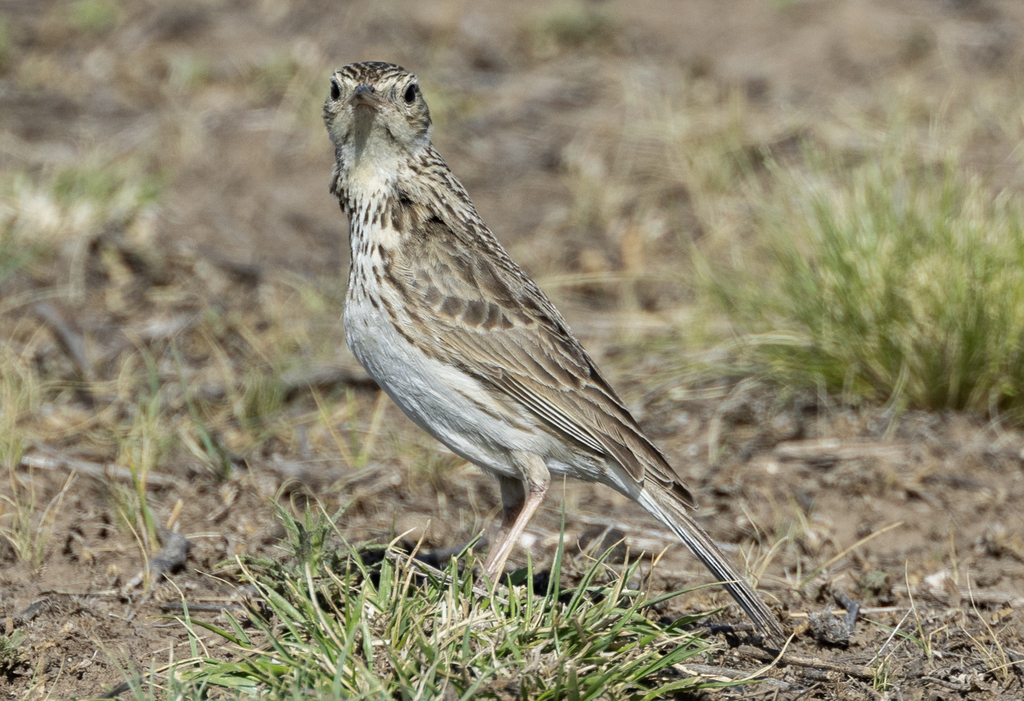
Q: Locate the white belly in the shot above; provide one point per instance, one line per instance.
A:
(441, 400)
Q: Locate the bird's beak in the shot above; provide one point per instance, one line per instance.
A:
(364, 96)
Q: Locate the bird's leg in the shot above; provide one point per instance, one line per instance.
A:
(519, 500)
(513, 496)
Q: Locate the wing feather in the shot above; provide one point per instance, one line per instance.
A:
(523, 348)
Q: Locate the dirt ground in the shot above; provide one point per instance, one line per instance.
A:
(914, 516)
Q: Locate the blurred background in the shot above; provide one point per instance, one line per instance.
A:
(616, 148)
(769, 220)
(799, 181)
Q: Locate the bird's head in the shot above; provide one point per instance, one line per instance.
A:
(376, 114)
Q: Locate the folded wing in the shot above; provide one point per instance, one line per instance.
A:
(488, 318)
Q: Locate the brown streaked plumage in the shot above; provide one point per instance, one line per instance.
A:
(466, 343)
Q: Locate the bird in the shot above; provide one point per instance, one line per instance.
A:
(465, 342)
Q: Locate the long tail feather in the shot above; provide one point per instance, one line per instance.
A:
(670, 511)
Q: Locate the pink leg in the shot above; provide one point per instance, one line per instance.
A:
(519, 501)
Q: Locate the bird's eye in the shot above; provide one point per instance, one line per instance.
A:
(335, 89)
(410, 94)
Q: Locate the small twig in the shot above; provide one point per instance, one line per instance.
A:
(861, 612)
(790, 658)
(831, 450)
(727, 674)
(309, 473)
(53, 460)
(952, 686)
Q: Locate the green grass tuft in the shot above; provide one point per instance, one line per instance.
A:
(336, 621)
(904, 284)
(12, 650)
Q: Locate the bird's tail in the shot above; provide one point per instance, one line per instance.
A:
(670, 511)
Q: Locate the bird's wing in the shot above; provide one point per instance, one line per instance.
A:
(482, 313)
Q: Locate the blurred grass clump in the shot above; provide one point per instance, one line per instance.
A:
(6, 45)
(105, 185)
(895, 281)
(268, 80)
(570, 26)
(92, 16)
(39, 215)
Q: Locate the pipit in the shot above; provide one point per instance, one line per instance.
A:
(467, 344)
